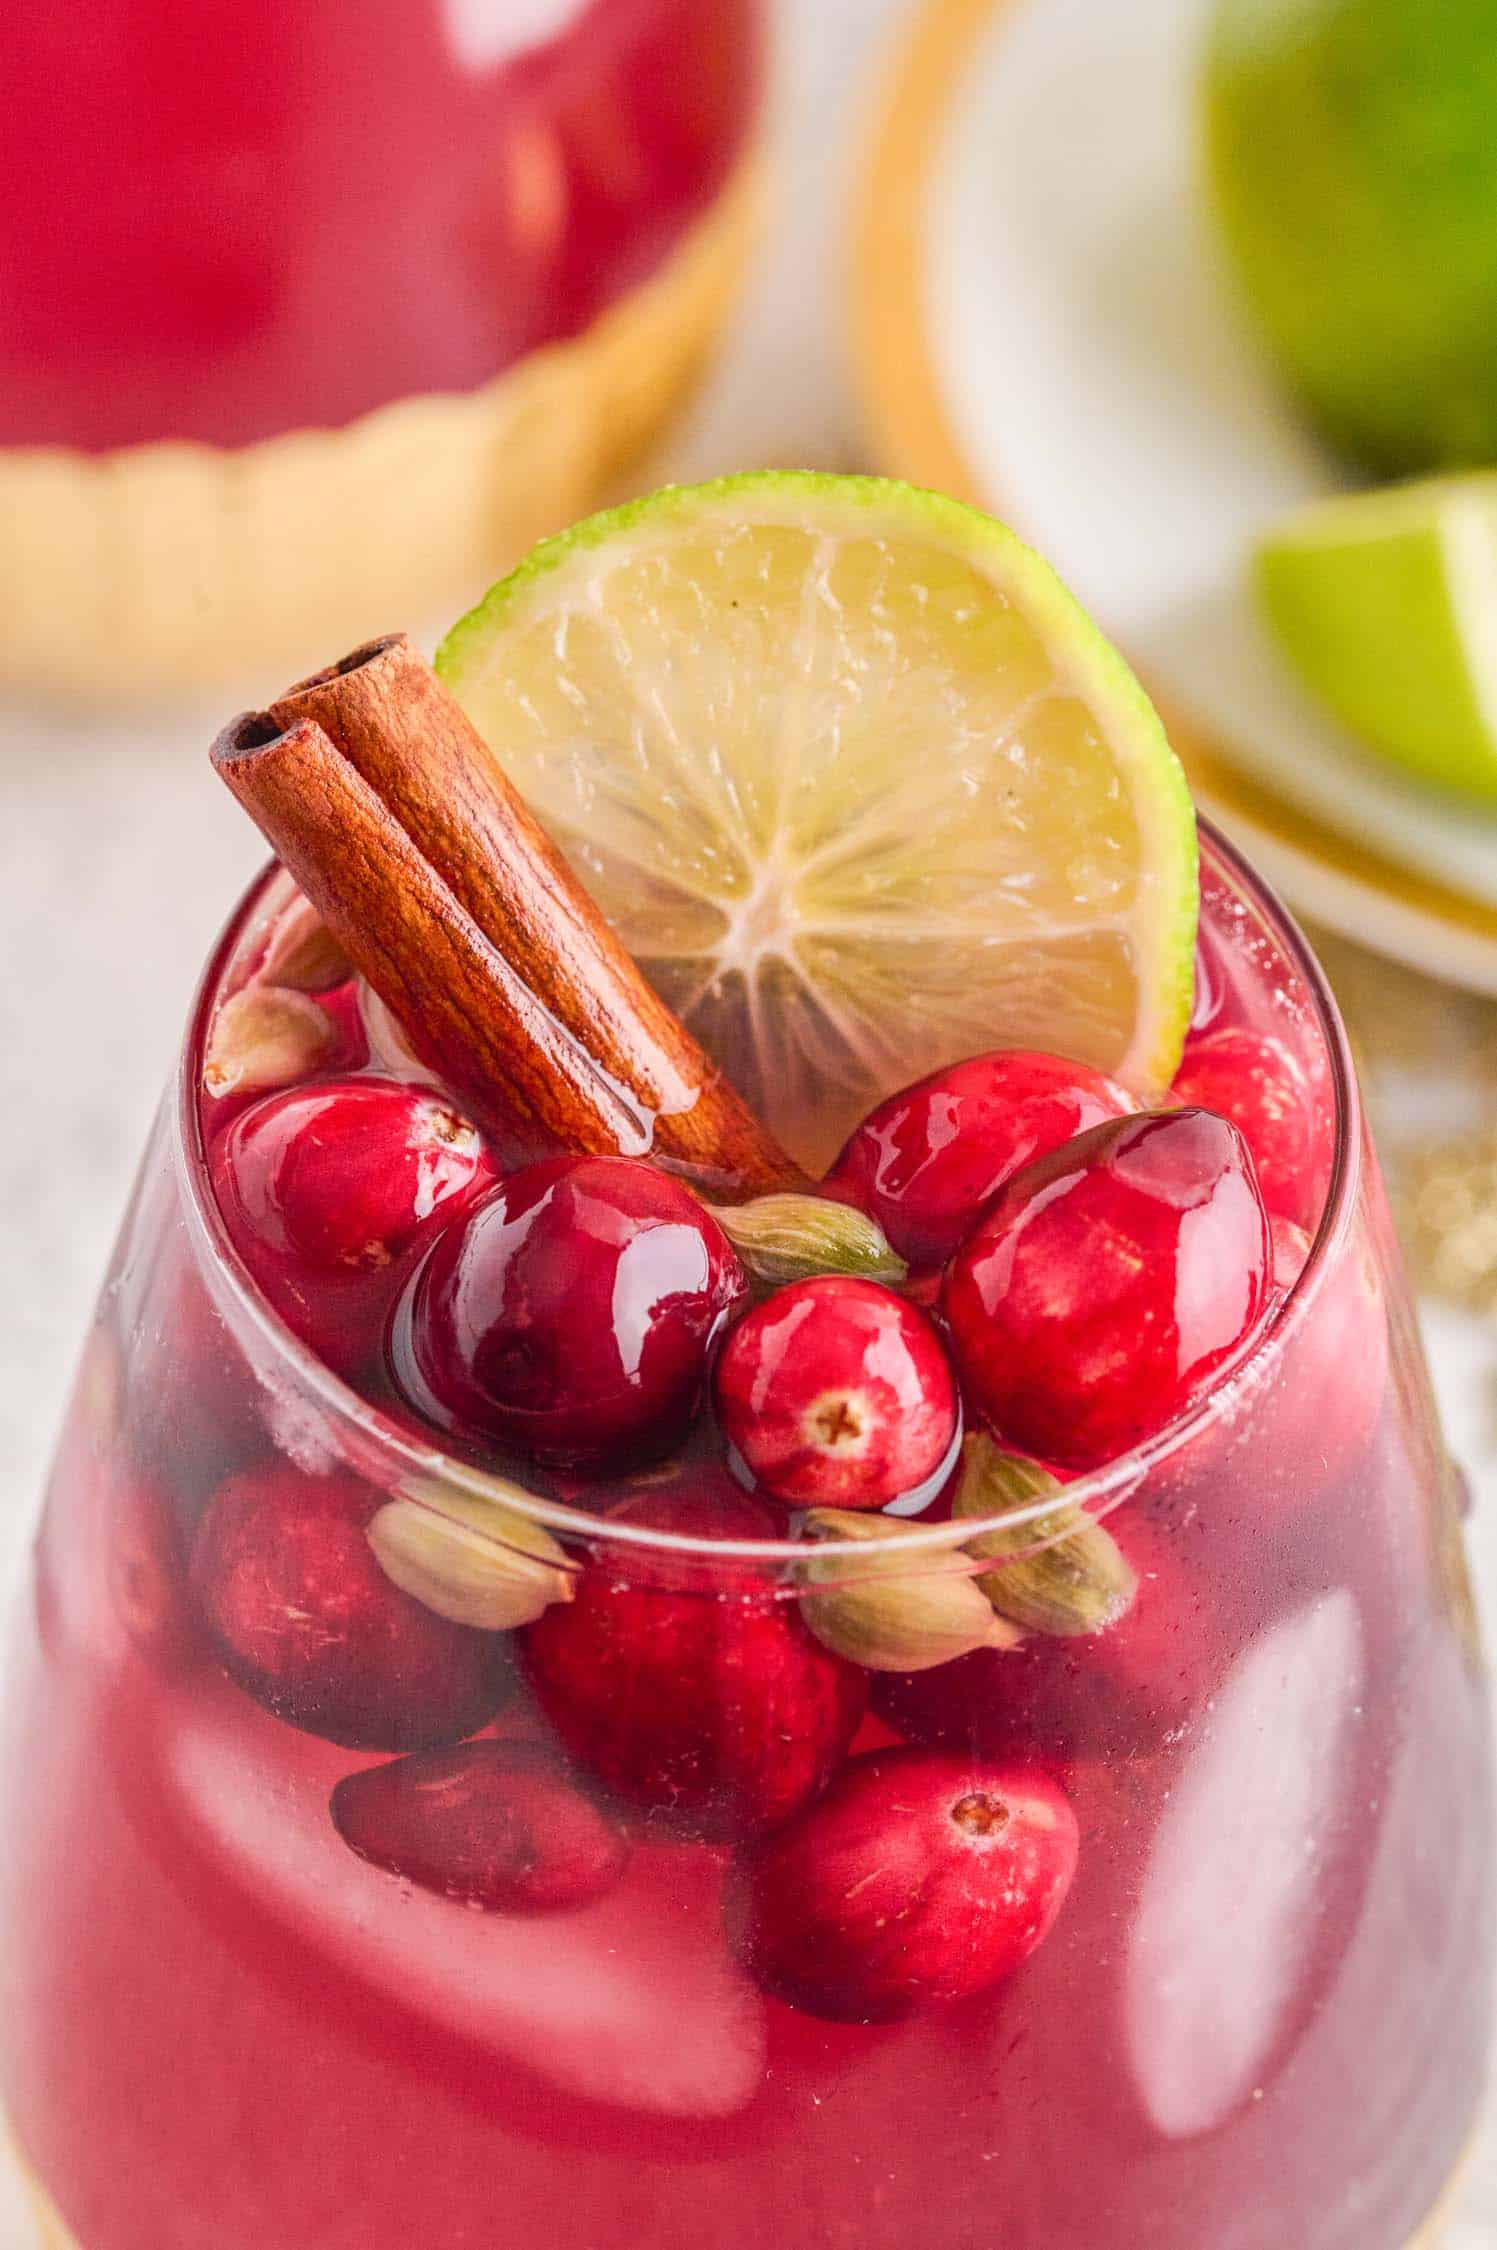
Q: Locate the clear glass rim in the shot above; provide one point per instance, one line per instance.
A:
(1097, 1492)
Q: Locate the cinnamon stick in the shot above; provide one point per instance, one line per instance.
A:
(379, 796)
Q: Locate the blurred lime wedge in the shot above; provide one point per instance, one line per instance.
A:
(858, 783)
(1386, 605)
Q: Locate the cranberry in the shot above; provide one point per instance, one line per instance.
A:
(687, 1685)
(326, 1187)
(1114, 1694)
(919, 1877)
(1257, 1082)
(308, 1623)
(837, 1394)
(927, 1162)
(497, 1824)
(572, 1313)
(1107, 1284)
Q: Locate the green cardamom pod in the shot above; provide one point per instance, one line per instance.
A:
(784, 1238)
(1061, 1572)
(893, 1612)
(303, 954)
(263, 1037)
(471, 1559)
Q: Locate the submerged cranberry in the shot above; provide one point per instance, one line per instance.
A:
(927, 1162)
(308, 1623)
(326, 1187)
(1108, 1283)
(919, 1877)
(1256, 1081)
(572, 1313)
(837, 1394)
(501, 1825)
(691, 1686)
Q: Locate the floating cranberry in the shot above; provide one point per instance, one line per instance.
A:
(572, 1313)
(1257, 1082)
(837, 1394)
(501, 1825)
(308, 1623)
(927, 1162)
(326, 1188)
(1107, 1284)
(919, 1877)
(691, 1686)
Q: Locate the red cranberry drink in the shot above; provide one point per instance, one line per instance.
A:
(752, 1550)
(309, 245)
(244, 266)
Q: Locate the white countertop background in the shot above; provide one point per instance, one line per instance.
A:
(120, 855)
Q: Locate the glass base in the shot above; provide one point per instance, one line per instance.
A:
(51, 2234)
(128, 574)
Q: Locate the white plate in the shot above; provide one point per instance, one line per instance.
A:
(1043, 319)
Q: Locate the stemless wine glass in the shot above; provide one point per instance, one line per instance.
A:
(1259, 2017)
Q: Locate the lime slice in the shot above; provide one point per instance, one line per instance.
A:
(858, 784)
(1385, 603)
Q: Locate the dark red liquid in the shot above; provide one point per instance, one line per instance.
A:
(1258, 2021)
(225, 221)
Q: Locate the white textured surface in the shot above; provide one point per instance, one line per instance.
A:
(119, 856)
